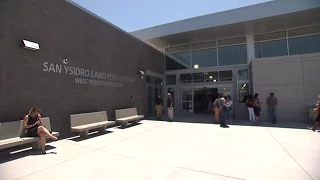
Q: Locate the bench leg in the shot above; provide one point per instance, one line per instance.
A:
(124, 124)
(135, 122)
(36, 145)
(103, 129)
(84, 134)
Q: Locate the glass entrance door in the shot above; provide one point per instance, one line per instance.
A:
(203, 99)
(187, 100)
(154, 89)
(150, 99)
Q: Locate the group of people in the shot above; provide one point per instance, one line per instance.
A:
(159, 107)
(254, 107)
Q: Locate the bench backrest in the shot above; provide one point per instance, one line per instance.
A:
(45, 123)
(88, 118)
(122, 113)
(15, 128)
(9, 130)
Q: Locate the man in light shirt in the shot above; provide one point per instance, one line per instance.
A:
(272, 103)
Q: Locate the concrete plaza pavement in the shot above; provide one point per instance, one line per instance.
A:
(159, 150)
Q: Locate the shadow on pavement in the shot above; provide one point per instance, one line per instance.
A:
(18, 152)
(91, 135)
(130, 125)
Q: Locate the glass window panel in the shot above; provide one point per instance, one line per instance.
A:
(225, 75)
(198, 77)
(243, 91)
(304, 45)
(204, 45)
(270, 36)
(185, 78)
(211, 76)
(158, 81)
(178, 61)
(226, 42)
(170, 79)
(232, 55)
(149, 79)
(204, 58)
(243, 74)
(304, 31)
(177, 49)
(186, 95)
(187, 106)
(271, 48)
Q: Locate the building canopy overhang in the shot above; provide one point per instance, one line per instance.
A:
(257, 19)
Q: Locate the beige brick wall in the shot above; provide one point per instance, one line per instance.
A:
(293, 79)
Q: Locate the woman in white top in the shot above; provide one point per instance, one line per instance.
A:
(229, 111)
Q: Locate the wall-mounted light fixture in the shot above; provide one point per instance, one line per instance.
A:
(65, 61)
(141, 73)
(30, 45)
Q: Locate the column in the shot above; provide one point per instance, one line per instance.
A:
(250, 47)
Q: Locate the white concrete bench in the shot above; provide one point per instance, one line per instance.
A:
(13, 134)
(124, 116)
(82, 123)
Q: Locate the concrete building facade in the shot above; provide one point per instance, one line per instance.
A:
(263, 48)
(84, 64)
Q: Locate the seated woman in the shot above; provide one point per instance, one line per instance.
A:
(33, 125)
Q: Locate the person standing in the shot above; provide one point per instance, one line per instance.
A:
(216, 109)
(223, 108)
(170, 107)
(229, 110)
(159, 107)
(256, 108)
(250, 105)
(272, 103)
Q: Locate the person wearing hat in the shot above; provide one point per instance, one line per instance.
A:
(170, 107)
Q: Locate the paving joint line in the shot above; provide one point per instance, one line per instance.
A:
(56, 164)
(132, 136)
(169, 165)
(289, 154)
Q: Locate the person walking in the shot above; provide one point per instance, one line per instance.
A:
(272, 103)
(170, 107)
(159, 107)
(317, 117)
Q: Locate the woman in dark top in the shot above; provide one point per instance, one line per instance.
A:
(33, 125)
(256, 108)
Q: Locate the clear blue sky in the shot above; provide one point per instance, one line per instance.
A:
(131, 15)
